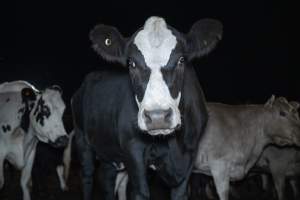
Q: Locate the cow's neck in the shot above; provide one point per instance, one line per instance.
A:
(260, 139)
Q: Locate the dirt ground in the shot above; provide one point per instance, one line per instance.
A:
(250, 189)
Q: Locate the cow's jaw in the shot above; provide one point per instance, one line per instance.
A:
(156, 43)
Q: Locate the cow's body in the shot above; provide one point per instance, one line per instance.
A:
(235, 138)
(23, 119)
(283, 164)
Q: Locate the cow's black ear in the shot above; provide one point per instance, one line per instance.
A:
(203, 37)
(28, 94)
(109, 43)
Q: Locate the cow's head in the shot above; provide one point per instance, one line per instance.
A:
(284, 124)
(46, 111)
(156, 56)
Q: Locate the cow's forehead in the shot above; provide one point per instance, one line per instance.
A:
(155, 42)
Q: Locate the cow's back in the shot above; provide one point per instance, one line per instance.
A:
(11, 110)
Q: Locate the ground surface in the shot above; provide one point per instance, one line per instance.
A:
(250, 189)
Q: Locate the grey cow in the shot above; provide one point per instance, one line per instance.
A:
(235, 137)
(27, 116)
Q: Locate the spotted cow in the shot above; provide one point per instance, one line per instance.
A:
(27, 116)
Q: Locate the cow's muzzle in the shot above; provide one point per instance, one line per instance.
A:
(158, 119)
(61, 141)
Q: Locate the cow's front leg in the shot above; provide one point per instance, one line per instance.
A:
(26, 174)
(107, 176)
(1, 171)
(86, 157)
(221, 178)
(136, 167)
(180, 192)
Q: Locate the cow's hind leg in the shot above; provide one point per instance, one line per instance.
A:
(86, 157)
(221, 178)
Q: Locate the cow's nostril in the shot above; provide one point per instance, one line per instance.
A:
(147, 115)
(168, 115)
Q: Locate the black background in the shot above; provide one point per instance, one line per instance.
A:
(46, 42)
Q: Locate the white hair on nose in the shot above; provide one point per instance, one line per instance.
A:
(156, 36)
(156, 43)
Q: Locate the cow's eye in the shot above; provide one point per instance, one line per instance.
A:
(180, 61)
(131, 63)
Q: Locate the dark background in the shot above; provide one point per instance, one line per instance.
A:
(46, 42)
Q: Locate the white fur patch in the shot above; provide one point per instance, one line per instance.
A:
(156, 43)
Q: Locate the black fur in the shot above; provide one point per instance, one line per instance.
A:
(28, 98)
(6, 128)
(41, 111)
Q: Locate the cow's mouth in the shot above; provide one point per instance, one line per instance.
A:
(158, 132)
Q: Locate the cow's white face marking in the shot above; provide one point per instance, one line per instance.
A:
(156, 43)
(46, 117)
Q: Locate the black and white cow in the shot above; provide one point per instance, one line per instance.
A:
(157, 118)
(26, 117)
